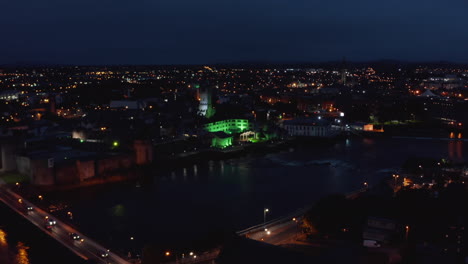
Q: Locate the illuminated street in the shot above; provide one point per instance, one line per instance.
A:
(86, 248)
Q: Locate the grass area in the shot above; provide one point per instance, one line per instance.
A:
(13, 177)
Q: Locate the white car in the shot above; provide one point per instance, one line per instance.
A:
(371, 244)
(74, 236)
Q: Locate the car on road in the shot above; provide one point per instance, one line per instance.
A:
(29, 208)
(74, 236)
(371, 244)
(48, 227)
(51, 221)
(104, 254)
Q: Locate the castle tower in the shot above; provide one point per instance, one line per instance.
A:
(206, 102)
(344, 71)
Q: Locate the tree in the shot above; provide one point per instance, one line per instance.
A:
(330, 215)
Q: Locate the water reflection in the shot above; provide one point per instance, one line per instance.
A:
(22, 256)
(458, 135)
(210, 165)
(368, 141)
(460, 150)
(455, 150)
(4, 252)
(118, 210)
(3, 241)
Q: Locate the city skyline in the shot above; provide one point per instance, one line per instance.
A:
(209, 32)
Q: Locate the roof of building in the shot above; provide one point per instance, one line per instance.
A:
(428, 93)
(221, 134)
(306, 121)
(62, 155)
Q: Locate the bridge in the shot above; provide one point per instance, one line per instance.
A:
(82, 246)
(277, 231)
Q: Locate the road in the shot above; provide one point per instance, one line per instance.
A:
(85, 247)
(285, 230)
(279, 234)
(204, 258)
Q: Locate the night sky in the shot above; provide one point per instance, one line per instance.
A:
(226, 31)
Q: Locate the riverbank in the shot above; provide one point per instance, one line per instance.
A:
(168, 162)
(184, 159)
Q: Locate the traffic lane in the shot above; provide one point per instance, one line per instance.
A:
(15, 205)
(284, 235)
(58, 232)
(279, 234)
(61, 231)
(272, 230)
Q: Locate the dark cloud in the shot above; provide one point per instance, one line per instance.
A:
(209, 31)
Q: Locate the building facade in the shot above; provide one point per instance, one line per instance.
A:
(229, 126)
(307, 128)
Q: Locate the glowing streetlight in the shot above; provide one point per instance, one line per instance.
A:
(395, 177)
(265, 211)
(407, 228)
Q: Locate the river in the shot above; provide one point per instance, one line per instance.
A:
(184, 205)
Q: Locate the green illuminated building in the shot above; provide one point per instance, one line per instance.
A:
(229, 126)
(223, 130)
(205, 108)
(221, 140)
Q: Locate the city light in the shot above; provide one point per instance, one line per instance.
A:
(3, 241)
(279, 126)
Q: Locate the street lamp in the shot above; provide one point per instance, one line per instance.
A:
(395, 176)
(407, 228)
(265, 211)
